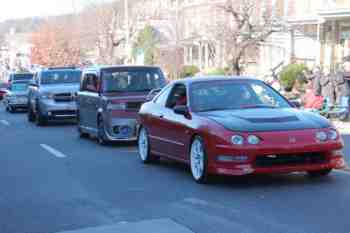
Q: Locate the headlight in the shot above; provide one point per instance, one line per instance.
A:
(254, 140)
(321, 136)
(332, 134)
(237, 140)
(120, 106)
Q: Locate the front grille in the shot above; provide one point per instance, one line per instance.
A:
(133, 106)
(64, 97)
(289, 159)
(63, 112)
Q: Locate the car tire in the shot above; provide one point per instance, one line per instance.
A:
(144, 147)
(41, 120)
(101, 132)
(30, 114)
(11, 109)
(199, 161)
(319, 173)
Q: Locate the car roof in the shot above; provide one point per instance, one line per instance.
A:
(213, 78)
(106, 67)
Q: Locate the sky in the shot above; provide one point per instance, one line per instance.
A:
(13, 9)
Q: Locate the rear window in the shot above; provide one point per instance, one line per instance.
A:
(60, 77)
(132, 79)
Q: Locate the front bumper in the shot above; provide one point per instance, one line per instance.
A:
(122, 129)
(278, 159)
(58, 110)
(246, 169)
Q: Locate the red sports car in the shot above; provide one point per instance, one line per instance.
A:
(235, 126)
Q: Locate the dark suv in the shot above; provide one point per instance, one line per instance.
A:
(110, 98)
(52, 94)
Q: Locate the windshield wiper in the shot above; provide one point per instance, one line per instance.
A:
(257, 106)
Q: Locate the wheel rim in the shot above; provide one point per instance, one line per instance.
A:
(197, 159)
(143, 144)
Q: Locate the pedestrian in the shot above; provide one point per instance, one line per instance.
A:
(316, 81)
(327, 87)
(342, 88)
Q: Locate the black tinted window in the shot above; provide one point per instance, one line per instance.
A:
(58, 77)
(129, 80)
(20, 77)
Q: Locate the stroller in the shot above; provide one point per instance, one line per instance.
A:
(341, 112)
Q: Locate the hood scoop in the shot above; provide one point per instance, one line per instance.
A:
(269, 119)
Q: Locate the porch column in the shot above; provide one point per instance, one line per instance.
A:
(206, 56)
(333, 45)
(292, 45)
(200, 55)
(191, 55)
(318, 55)
(186, 55)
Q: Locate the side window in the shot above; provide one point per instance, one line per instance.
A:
(90, 83)
(163, 96)
(178, 96)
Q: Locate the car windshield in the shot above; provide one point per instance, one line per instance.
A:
(20, 77)
(60, 77)
(18, 87)
(133, 80)
(224, 95)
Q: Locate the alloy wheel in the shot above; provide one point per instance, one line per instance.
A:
(143, 145)
(197, 160)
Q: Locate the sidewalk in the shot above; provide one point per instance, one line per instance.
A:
(343, 127)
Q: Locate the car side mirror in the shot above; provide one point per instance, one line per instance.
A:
(152, 94)
(295, 104)
(181, 110)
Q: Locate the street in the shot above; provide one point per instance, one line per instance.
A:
(53, 181)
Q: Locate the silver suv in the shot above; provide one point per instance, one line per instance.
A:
(52, 94)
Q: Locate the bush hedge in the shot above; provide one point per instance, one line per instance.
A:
(189, 71)
(290, 74)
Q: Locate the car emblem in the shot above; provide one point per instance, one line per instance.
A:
(292, 140)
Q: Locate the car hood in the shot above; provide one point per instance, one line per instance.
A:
(262, 120)
(60, 88)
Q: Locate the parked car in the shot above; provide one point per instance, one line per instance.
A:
(16, 96)
(20, 77)
(235, 126)
(110, 98)
(52, 94)
(3, 90)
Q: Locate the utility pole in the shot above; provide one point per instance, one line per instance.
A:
(127, 30)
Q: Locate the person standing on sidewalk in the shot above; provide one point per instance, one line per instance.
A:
(342, 85)
(327, 87)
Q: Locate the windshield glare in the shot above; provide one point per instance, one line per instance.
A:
(223, 95)
(60, 77)
(133, 81)
(19, 77)
(19, 87)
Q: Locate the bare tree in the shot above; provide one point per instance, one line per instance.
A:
(246, 28)
(104, 30)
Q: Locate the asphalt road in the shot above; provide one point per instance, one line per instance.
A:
(53, 181)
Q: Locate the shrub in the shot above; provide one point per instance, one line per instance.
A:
(216, 71)
(290, 74)
(189, 71)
